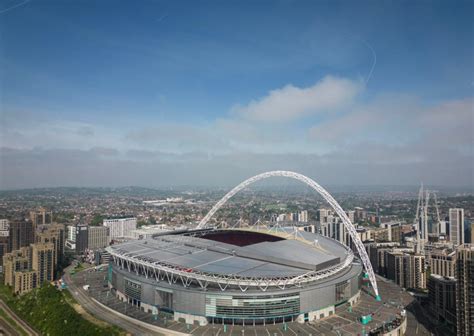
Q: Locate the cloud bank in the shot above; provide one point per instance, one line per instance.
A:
(324, 131)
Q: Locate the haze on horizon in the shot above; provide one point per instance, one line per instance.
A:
(162, 93)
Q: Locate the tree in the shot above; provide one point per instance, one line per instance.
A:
(97, 220)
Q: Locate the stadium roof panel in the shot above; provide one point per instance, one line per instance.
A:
(277, 258)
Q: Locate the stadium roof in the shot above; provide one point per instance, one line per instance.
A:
(281, 258)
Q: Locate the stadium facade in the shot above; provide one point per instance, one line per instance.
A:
(236, 276)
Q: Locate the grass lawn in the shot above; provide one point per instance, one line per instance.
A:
(49, 311)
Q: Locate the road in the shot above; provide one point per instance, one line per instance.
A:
(103, 313)
(18, 320)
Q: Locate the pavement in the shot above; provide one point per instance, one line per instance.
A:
(135, 327)
(385, 314)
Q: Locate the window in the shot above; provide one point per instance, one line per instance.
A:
(133, 289)
(268, 306)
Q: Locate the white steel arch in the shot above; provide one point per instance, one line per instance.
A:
(313, 184)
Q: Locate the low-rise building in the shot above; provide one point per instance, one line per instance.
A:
(24, 281)
(148, 231)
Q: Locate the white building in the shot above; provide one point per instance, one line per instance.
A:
(442, 228)
(4, 228)
(303, 216)
(456, 226)
(71, 233)
(281, 218)
(121, 227)
(351, 215)
(148, 231)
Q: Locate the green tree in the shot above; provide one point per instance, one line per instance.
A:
(97, 220)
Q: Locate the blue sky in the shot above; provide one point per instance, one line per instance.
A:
(191, 88)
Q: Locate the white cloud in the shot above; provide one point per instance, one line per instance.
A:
(390, 139)
(291, 102)
(401, 120)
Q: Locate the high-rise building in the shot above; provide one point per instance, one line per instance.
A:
(18, 260)
(21, 234)
(365, 234)
(442, 298)
(322, 214)
(378, 255)
(417, 269)
(53, 233)
(394, 231)
(456, 226)
(472, 232)
(351, 215)
(42, 261)
(465, 289)
(82, 238)
(360, 214)
(407, 269)
(395, 268)
(71, 233)
(4, 225)
(3, 250)
(98, 237)
(41, 216)
(443, 262)
(29, 267)
(340, 233)
(442, 228)
(303, 216)
(4, 238)
(381, 234)
(120, 227)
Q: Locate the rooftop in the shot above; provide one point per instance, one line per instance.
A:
(238, 252)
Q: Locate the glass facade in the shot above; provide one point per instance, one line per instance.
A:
(133, 289)
(164, 299)
(252, 308)
(342, 292)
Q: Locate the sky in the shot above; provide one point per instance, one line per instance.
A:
(168, 93)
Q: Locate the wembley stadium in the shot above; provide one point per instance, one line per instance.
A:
(236, 276)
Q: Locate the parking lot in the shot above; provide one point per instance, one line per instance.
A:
(385, 314)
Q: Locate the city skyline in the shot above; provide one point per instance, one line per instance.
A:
(159, 94)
